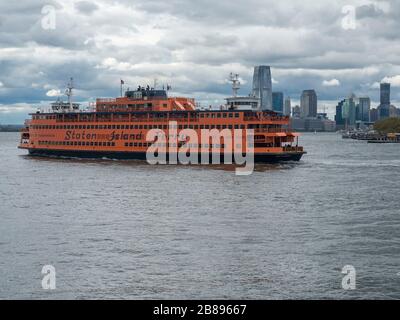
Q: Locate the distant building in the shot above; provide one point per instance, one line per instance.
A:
(340, 122)
(262, 86)
(393, 112)
(349, 111)
(308, 104)
(296, 112)
(384, 107)
(320, 124)
(373, 115)
(277, 101)
(385, 93)
(287, 107)
(364, 106)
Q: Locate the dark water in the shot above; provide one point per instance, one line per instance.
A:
(129, 230)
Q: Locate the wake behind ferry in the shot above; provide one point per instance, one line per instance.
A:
(116, 128)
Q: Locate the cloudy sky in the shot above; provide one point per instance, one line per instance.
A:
(193, 45)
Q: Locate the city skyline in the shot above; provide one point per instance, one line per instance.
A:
(306, 45)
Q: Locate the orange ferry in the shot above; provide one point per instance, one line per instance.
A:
(117, 127)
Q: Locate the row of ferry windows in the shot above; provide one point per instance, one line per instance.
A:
(164, 115)
(132, 127)
(78, 143)
(174, 145)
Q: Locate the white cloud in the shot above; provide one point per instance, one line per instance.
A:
(1, 84)
(331, 83)
(394, 81)
(53, 93)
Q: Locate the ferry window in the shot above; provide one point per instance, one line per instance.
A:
(202, 127)
(140, 127)
(236, 115)
(218, 115)
(230, 126)
(113, 126)
(135, 144)
(91, 143)
(126, 144)
(224, 115)
(113, 144)
(201, 115)
(196, 127)
(207, 126)
(131, 144)
(224, 126)
(218, 126)
(230, 115)
(236, 126)
(242, 126)
(131, 127)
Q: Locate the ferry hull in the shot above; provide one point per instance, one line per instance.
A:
(258, 158)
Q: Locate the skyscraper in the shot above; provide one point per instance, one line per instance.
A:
(384, 107)
(308, 104)
(262, 86)
(349, 111)
(277, 101)
(364, 107)
(340, 122)
(385, 93)
(287, 107)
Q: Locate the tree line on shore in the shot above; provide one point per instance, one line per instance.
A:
(390, 125)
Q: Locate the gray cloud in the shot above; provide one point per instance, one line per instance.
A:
(86, 7)
(193, 45)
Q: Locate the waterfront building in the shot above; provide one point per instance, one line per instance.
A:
(277, 101)
(308, 104)
(262, 86)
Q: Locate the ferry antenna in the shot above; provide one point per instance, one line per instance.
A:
(234, 79)
(68, 92)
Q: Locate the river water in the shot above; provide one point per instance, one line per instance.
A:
(125, 229)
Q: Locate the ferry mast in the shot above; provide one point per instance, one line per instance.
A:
(68, 92)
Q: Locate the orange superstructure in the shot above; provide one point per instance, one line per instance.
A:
(117, 128)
